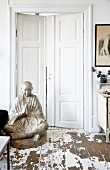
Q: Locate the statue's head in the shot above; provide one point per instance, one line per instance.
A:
(27, 88)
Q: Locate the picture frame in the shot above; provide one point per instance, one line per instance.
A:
(102, 45)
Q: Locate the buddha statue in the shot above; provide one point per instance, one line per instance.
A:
(26, 118)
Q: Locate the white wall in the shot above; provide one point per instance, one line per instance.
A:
(101, 14)
(4, 55)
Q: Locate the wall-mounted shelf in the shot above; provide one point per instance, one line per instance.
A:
(103, 86)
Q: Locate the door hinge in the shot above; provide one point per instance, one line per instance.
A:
(16, 33)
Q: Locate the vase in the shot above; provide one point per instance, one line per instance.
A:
(103, 79)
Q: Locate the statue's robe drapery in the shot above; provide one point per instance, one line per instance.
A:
(26, 124)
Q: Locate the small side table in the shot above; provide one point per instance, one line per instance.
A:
(5, 142)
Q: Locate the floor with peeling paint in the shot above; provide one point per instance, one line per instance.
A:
(65, 149)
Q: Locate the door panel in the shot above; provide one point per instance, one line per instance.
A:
(30, 50)
(69, 71)
(34, 73)
(67, 85)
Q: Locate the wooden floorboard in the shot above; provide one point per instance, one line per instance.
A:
(65, 149)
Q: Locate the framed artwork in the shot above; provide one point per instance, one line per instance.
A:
(102, 45)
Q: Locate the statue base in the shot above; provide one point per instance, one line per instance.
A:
(29, 142)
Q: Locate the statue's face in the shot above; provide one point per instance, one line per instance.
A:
(27, 90)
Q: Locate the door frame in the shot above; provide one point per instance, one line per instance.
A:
(58, 8)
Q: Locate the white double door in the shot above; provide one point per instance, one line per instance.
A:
(67, 96)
